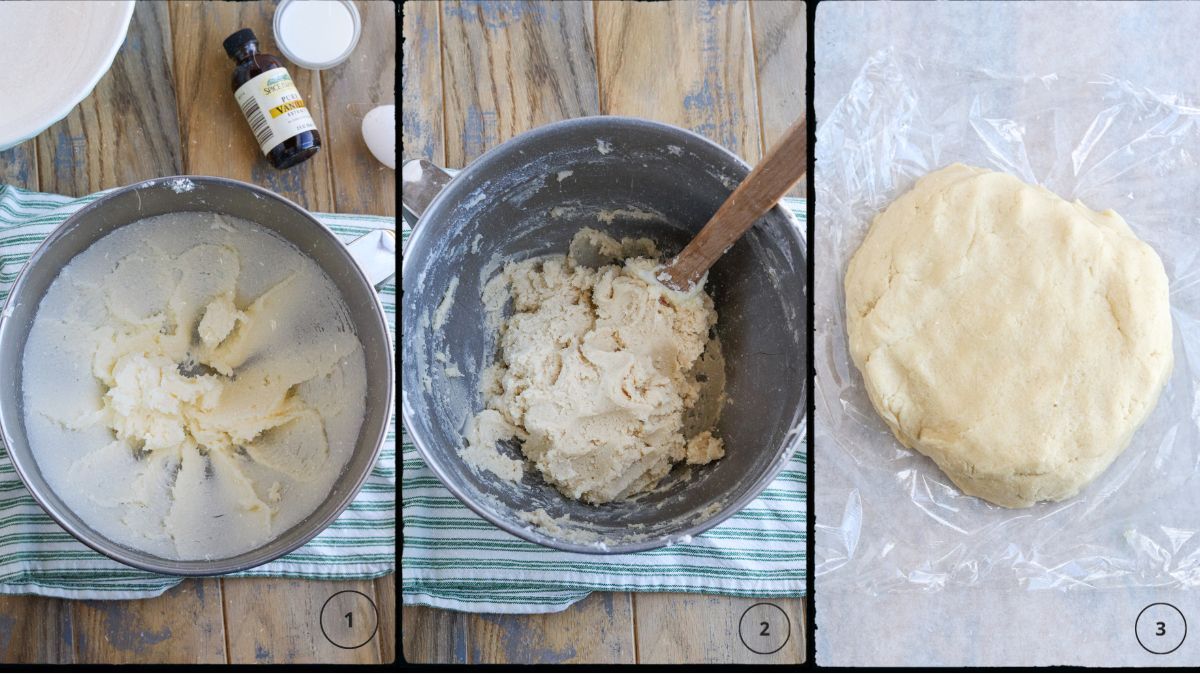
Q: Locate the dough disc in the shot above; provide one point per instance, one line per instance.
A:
(1015, 338)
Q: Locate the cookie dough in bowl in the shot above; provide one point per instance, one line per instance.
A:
(193, 386)
(1017, 339)
(598, 366)
(529, 199)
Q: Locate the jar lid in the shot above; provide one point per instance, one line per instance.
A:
(317, 34)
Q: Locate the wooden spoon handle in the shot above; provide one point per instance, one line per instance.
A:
(784, 164)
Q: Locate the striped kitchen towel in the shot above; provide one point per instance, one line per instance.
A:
(38, 556)
(454, 559)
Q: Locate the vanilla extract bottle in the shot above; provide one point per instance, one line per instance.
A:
(272, 105)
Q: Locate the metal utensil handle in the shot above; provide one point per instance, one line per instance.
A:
(375, 253)
(420, 181)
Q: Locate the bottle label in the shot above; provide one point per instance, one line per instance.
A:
(273, 108)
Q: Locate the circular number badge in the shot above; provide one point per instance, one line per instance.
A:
(349, 619)
(1160, 628)
(764, 628)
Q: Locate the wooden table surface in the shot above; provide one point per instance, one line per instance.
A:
(478, 73)
(165, 108)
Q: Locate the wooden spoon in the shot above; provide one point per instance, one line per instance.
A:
(784, 164)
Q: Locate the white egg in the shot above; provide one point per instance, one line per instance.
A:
(379, 132)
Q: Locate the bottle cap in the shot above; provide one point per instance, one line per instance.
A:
(239, 39)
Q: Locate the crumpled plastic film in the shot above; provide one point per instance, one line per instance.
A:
(887, 518)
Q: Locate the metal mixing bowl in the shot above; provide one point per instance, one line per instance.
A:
(527, 198)
(199, 193)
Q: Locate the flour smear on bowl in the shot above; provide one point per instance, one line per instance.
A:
(192, 386)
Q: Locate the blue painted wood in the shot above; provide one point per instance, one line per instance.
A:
(183, 625)
(508, 67)
(18, 166)
(35, 630)
(421, 84)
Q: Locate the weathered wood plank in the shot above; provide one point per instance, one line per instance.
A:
(216, 139)
(183, 625)
(279, 621)
(34, 629)
(510, 67)
(597, 629)
(432, 635)
(513, 66)
(385, 598)
(780, 31)
(18, 166)
(686, 63)
(679, 628)
(427, 635)
(421, 84)
(127, 129)
(361, 184)
(268, 620)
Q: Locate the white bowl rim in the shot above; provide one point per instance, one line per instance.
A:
(104, 65)
(315, 65)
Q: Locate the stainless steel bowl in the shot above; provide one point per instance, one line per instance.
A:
(353, 272)
(527, 198)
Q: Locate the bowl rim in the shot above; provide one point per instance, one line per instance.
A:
(795, 435)
(270, 550)
(103, 66)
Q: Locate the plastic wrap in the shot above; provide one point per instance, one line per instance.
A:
(887, 518)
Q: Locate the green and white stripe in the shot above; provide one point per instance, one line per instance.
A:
(38, 556)
(456, 560)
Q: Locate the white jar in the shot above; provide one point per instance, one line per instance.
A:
(317, 34)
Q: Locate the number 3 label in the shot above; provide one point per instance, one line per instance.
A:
(1160, 628)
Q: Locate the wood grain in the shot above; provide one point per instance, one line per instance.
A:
(366, 80)
(676, 628)
(18, 166)
(278, 621)
(385, 600)
(780, 31)
(508, 67)
(183, 625)
(421, 129)
(505, 67)
(127, 129)
(512, 66)
(216, 139)
(267, 620)
(597, 629)
(431, 635)
(681, 62)
(166, 107)
(35, 630)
